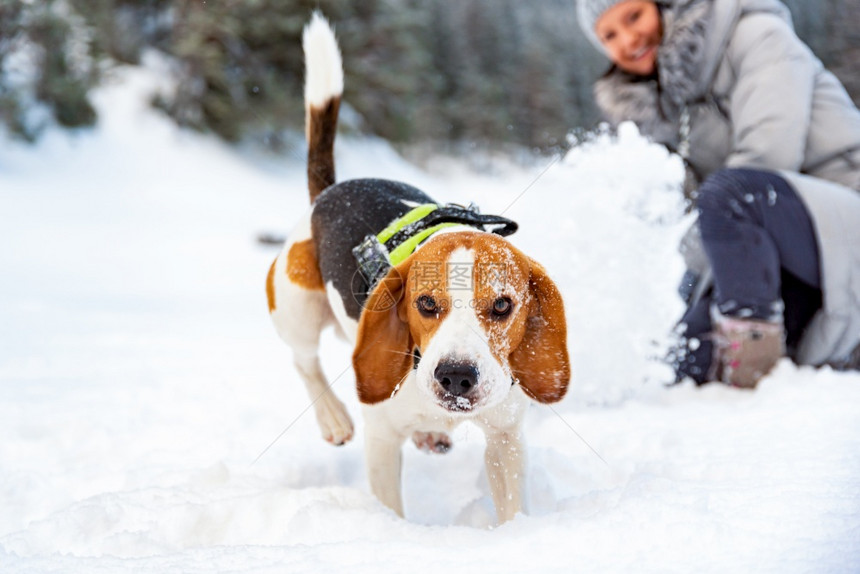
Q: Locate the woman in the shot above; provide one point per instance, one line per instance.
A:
(774, 263)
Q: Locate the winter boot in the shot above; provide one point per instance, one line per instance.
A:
(747, 349)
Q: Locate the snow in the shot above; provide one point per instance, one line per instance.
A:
(140, 378)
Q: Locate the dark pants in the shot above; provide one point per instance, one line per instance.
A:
(761, 244)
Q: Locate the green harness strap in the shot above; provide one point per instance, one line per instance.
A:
(415, 214)
(405, 249)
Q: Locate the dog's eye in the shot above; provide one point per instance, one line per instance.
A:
(502, 307)
(427, 305)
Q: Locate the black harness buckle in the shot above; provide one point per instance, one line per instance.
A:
(372, 259)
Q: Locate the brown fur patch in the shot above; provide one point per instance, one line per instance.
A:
(321, 128)
(383, 351)
(541, 362)
(270, 287)
(302, 266)
(428, 277)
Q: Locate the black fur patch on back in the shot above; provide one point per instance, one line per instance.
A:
(343, 215)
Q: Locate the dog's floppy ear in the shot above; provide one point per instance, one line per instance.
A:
(383, 350)
(540, 363)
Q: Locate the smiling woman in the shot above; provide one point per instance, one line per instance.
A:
(772, 271)
(631, 32)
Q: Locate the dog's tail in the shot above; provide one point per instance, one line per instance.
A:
(323, 89)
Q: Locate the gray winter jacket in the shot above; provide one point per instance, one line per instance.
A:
(735, 87)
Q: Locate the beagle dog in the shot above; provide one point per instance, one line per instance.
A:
(458, 326)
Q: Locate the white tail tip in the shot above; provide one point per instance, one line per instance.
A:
(323, 66)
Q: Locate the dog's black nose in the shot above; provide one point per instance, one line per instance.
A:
(456, 378)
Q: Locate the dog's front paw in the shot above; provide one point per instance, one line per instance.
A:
(335, 423)
(437, 442)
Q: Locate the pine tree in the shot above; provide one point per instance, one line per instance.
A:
(62, 67)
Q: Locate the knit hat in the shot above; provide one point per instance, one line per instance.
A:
(588, 12)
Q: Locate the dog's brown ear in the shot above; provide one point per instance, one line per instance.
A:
(383, 350)
(540, 363)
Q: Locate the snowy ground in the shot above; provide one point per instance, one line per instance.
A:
(140, 378)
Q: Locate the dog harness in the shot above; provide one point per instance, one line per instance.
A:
(391, 246)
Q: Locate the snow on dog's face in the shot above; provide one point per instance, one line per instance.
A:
(481, 315)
